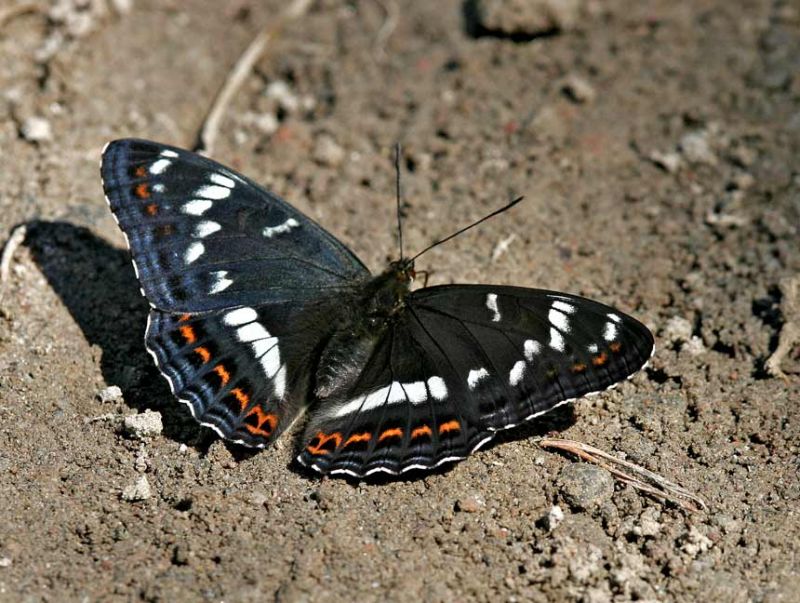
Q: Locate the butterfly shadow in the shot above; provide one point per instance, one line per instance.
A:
(98, 286)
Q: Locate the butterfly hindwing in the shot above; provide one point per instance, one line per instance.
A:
(397, 414)
(204, 237)
(463, 362)
(230, 368)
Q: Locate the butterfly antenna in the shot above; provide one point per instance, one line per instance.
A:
(466, 228)
(397, 189)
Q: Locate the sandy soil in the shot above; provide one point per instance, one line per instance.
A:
(656, 143)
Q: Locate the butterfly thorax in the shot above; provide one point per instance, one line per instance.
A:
(384, 296)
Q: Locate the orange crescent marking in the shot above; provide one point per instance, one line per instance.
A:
(324, 439)
(152, 209)
(224, 375)
(142, 191)
(270, 419)
(242, 397)
(203, 353)
(358, 437)
(188, 334)
(184, 317)
(394, 432)
(600, 359)
(450, 426)
(578, 368)
(615, 347)
(140, 171)
(421, 431)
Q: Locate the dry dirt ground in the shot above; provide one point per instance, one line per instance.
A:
(657, 145)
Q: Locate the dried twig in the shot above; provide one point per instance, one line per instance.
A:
(9, 12)
(388, 26)
(241, 70)
(638, 477)
(14, 241)
(790, 333)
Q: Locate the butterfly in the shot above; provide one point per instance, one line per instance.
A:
(259, 316)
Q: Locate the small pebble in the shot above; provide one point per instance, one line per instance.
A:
(670, 162)
(696, 148)
(579, 89)
(281, 92)
(554, 518)
(470, 504)
(139, 490)
(123, 7)
(677, 330)
(5, 562)
(528, 17)
(144, 425)
(695, 542)
(585, 486)
(36, 129)
(265, 123)
(328, 152)
(694, 347)
(111, 394)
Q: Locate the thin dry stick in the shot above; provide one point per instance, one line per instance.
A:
(790, 333)
(14, 241)
(388, 27)
(638, 477)
(241, 70)
(9, 12)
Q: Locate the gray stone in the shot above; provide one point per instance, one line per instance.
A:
(144, 425)
(584, 486)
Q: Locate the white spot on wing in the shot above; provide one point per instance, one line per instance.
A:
(558, 319)
(206, 228)
(213, 192)
(196, 207)
(240, 316)
(159, 166)
(592, 348)
(556, 340)
(194, 251)
(437, 387)
(417, 392)
(251, 332)
(279, 383)
(517, 372)
(262, 346)
(610, 331)
(168, 153)
(221, 281)
(491, 303)
(396, 393)
(475, 376)
(531, 349)
(271, 361)
(221, 180)
(564, 307)
(159, 188)
(271, 231)
(614, 317)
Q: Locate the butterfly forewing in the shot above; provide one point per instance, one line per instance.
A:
(524, 351)
(204, 237)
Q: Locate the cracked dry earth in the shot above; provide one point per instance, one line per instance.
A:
(656, 143)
